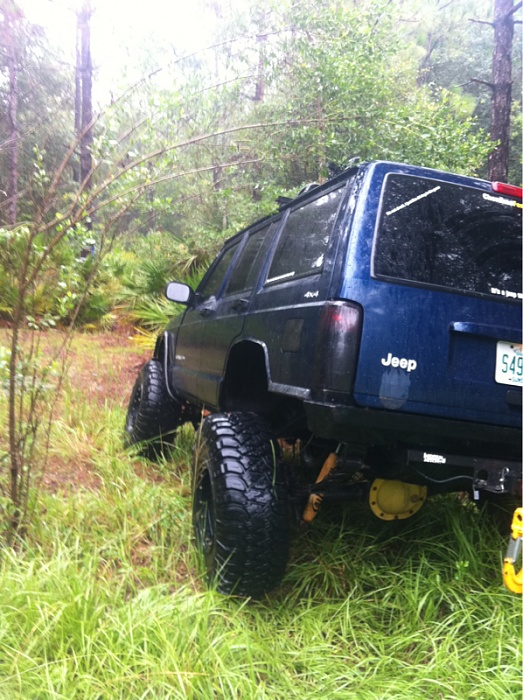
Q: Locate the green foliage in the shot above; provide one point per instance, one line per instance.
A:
(288, 92)
(62, 277)
(347, 75)
(44, 104)
(454, 52)
(140, 277)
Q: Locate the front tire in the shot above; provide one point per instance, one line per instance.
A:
(152, 415)
(240, 505)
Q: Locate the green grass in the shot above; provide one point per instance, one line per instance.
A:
(105, 598)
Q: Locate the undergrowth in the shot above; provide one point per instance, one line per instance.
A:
(105, 598)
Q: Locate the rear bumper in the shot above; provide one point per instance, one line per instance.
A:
(377, 428)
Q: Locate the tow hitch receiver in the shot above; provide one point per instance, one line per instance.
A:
(512, 580)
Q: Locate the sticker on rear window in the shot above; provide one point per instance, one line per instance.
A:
(412, 201)
(506, 293)
(503, 200)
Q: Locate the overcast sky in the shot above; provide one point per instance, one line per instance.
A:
(120, 29)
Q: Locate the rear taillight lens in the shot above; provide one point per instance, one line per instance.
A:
(509, 190)
(337, 348)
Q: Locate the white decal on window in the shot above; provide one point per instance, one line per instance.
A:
(506, 293)
(412, 201)
(502, 200)
(281, 277)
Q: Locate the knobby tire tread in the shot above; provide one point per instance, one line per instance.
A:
(152, 415)
(251, 545)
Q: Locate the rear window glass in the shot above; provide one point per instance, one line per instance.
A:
(445, 235)
(305, 237)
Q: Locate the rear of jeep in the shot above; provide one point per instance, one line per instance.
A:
(432, 279)
(381, 331)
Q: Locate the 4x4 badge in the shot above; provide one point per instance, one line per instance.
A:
(401, 362)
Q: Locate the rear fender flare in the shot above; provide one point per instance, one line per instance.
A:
(161, 353)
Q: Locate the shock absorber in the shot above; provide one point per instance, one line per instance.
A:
(315, 499)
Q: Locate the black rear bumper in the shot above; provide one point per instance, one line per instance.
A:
(377, 428)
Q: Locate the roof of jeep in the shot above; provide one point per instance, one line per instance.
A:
(361, 167)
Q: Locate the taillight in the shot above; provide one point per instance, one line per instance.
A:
(510, 190)
(337, 349)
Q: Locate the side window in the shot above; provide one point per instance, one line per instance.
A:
(211, 283)
(251, 259)
(305, 237)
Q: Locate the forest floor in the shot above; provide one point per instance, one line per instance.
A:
(105, 598)
(102, 368)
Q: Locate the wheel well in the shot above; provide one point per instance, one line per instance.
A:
(245, 387)
(159, 349)
(245, 384)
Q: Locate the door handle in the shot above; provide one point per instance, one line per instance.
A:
(205, 312)
(208, 307)
(240, 304)
(496, 332)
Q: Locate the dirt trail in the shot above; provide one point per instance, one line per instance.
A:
(102, 370)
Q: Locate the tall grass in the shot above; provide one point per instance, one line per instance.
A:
(105, 598)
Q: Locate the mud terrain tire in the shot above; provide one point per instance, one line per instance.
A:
(240, 505)
(152, 415)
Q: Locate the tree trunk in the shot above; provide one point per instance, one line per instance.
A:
(86, 73)
(501, 89)
(77, 95)
(12, 118)
(260, 78)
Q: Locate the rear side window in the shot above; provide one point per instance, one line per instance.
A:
(251, 259)
(438, 234)
(305, 237)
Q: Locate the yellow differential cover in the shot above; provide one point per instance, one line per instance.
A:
(396, 500)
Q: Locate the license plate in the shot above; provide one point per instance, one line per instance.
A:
(509, 363)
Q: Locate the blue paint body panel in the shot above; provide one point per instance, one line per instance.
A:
(450, 336)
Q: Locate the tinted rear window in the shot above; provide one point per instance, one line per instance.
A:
(251, 259)
(305, 238)
(444, 235)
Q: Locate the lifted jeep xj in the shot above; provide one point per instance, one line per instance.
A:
(376, 319)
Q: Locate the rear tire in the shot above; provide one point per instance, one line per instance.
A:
(240, 505)
(152, 415)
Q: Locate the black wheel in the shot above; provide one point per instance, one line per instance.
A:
(152, 415)
(240, 504)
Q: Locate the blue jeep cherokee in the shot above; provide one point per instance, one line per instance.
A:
(376, 320)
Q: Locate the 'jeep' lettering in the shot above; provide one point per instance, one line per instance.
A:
(401, 362)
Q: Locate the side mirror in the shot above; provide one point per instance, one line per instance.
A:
(179, 292)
